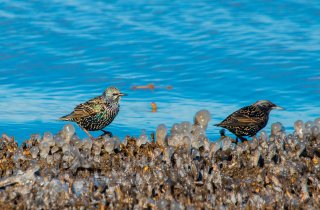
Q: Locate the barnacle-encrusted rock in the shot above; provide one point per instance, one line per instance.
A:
(180, 170)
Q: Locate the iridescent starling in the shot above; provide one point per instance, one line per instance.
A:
(98, 112)
(249, 120)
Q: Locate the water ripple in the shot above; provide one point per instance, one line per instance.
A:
(218, 56)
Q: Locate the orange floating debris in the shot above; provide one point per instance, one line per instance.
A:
(150, 86)
(154, 107)
(144, 87)
(169, 87)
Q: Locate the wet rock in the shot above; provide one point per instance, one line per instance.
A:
(181, 170)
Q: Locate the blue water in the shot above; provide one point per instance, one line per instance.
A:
(216, 55)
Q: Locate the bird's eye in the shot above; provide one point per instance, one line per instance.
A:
(114, 94)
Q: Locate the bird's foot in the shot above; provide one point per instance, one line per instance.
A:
(242, 139)
(234, 141)
(222, 132)
(106, 133)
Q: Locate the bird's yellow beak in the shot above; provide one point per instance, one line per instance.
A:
(278, 107)
(122, 94)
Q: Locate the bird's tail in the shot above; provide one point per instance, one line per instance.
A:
(65, 118)
(218, 124)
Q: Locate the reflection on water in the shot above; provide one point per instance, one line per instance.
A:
(217, 56)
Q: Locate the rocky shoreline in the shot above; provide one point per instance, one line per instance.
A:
(180, 169)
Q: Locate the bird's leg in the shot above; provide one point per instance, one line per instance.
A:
(91, 137)
(222, 132)
(237, 140)
(106, 133)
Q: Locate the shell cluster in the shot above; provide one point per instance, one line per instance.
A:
(180, 169)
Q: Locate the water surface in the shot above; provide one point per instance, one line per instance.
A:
(216, 55)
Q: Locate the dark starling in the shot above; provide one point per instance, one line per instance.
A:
(249, 120)
(98, 112)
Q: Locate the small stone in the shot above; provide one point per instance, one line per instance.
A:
(317, 122)
(276, 128)
(109, 146)
(202, 119)
(96, 147)
(76, 141)
(75, 165)
(65, 165)
(18, 155)
(299, 128)
(197, 131)
(254, 143)
(68, 131)
(59, 141)
(87, 143)
(78, 187)
(34, 152)
(47, 136)
(175, 129)
(57, 157)
(44, 149)
(167, 154)
(67, 158)
(43, 154)
(161, 134)
(308, 125)
(315, 160)
(174, 141)
(185, 128)
(214, 147)
(263, 136)
(226, 144)
(75, 152)
(50, 159)
(195, 153)
(36, 137)
(116, 142)
(66, 149)
(97, 158)
(186, 142)
(54, 149)
(198, 142)
(143, 139)
(315, 131)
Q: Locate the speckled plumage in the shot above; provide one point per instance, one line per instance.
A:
(249, 120)
(98, 112)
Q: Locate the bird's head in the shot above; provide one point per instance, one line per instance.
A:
(267, 105)
(112, 94)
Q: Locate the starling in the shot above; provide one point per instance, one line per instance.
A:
(96, 113)
(249, 120)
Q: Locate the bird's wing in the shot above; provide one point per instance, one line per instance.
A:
(245, 120)
(91, 107)
(244, 116)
